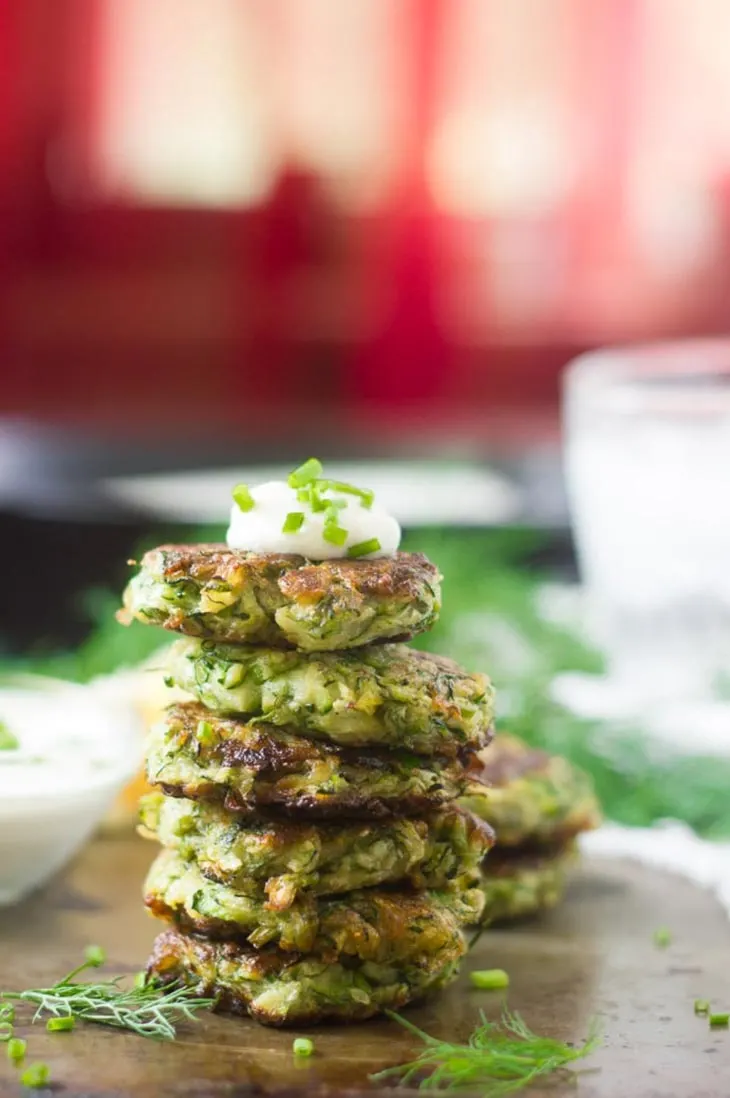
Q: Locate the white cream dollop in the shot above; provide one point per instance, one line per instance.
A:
(260, 529)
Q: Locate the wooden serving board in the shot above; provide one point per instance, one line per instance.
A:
(594, 956)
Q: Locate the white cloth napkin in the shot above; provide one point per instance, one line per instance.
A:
(670, 846)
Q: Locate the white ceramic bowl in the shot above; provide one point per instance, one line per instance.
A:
(88, 747)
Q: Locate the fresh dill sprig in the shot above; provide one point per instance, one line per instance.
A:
(499, 1058)
(145, 1009)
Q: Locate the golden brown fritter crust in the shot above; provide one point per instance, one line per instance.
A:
(522, 882)
(377, 924)
(280, 860)
(280, 989)
(530, 796)
(380, 695)
(252, 768)
(283, 600)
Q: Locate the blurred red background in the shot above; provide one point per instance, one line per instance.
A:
(389, 211)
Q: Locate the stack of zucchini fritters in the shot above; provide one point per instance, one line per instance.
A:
(315, 864)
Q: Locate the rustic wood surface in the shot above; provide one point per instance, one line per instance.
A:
(594, 956)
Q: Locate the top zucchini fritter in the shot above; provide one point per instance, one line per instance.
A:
(384, 694)
(283, 600)
(529, 796)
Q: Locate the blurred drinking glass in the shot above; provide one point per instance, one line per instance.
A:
(647, 436)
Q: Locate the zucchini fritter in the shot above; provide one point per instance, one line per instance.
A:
(373, 924)
(280, 989)
(194, 753)
(384, 695)
(275, 860)
(530, 796)
(283, 600)
(521, 883)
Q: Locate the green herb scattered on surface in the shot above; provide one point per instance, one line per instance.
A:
(302, 1046)
(61, 1025)
(490, 979)
(16, 1050)
(94, 956)
(720, 1021)
(662, 937)
(702, 1006)
(498, 1059)
(148, 1011)
(36, 1076)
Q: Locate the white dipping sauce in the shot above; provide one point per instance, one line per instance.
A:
(62, 744)
(74, 752)
(260, 529)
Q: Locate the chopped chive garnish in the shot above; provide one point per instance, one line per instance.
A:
(331, 514)
(8, 742)
(306, 473)
(720, 1020)
(60, 1025)
(490, 979)
(37, 1075)
(302, 1046)
(94, 955)
(372, 545)
(6, 1031)
(204, 732)
(16, 1050)
(7, 1012)
(334, 534)
(293, 522)
(140, 980)
(315, 500)
(662, 937)
(366, 496)
(702, 1006)
(242, 496)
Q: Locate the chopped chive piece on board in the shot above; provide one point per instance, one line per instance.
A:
(302, 1046)
(16, 1050)
(60, 1025)
(37, 1075)
(490, 979)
